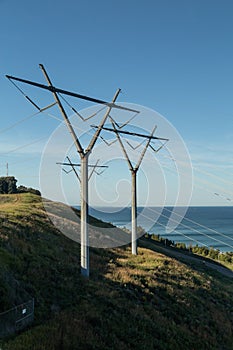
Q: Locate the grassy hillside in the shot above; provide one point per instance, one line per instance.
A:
(149, 301)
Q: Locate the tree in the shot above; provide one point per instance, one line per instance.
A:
(8, 185)
(12, 188)
(3, 185)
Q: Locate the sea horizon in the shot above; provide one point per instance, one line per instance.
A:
(210, 226)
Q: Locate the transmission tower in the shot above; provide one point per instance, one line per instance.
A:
(84, 154)
(133, 170)
(74, 165)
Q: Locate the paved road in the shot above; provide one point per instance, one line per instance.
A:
(174, 253)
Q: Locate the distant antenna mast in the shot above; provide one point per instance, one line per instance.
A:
(7, 169)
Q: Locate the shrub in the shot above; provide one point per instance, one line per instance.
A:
(8, 185)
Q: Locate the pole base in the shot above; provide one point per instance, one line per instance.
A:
(84, 272)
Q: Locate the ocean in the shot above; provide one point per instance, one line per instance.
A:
(205, 226)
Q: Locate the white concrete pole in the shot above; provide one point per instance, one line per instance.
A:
(134, 212)
(84, 216)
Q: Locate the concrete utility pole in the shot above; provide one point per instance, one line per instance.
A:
(84, 154)
(84, 209)
(133, 171)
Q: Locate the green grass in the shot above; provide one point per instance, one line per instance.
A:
(148, 301)
(225, 259)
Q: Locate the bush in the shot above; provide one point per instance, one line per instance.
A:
(23, 189)
(213, 253)
(181, 246)
(8, 185)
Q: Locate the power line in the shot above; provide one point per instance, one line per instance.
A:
(201, 171)
(200, 180)
(155, 150)
(26, 118)
(195, 230)
(18, 122)
(173, 219)
(163, 145)
(182, 234)
(189, 237)
(216, 187)
(206, 227)
(120, 126)
(23, 146)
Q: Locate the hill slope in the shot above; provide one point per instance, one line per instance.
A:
(149, 301)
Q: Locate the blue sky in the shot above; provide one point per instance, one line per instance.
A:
(174, 57)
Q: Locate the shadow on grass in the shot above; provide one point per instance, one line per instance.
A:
(131, 306)
(149, 301)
